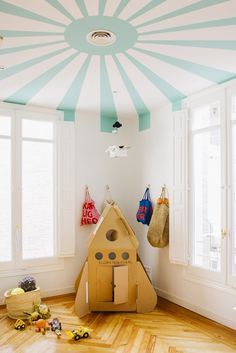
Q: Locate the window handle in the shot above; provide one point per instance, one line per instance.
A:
(223, 233)
(17, 236)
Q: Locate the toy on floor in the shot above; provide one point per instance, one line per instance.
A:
(20, 325)
(40, 311)
(27, 283)
(17, 291)
(81, 332)
(56, 326)
(43, 310)
(33, 317)
(42, 326)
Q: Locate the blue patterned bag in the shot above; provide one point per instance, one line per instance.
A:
(144, 213)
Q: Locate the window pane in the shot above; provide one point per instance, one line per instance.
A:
(37, 199)
(206, 116)
(5, 200)
(5, 125)
(234, 195)
(37, 129)
(207, 200)
(233, 115)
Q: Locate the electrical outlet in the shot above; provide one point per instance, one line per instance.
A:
(149, 271)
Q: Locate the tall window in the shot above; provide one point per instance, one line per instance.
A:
(206, 184)
(5, 189)
(28, 183)
(233, 179)
(203, 205)
(38, 184)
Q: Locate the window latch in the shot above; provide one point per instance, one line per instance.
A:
(223, 233)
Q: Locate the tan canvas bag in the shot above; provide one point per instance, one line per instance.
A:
(158, 231)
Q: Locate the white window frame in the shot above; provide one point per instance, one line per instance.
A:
(10, 265)
(226, 282)
(218, 277)
(231, 277)
(64, 198)
(19, 116)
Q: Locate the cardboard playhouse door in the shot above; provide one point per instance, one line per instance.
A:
(104, 284)
(120, 284)
(112, 284)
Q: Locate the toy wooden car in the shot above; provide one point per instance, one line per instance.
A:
(81, 332)
(20, 325)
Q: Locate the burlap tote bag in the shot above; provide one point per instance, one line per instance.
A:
(158, 231)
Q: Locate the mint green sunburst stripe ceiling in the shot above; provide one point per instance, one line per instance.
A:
(25, 65)
(71, 97)
(12, 34)
(146, 8)
(24, 95)
(169, 91)
(28, 47)
(163, 50)
(82, 7)
(142, 110)
(120, 7)
(18, 11)
(214, 75)
(108, 109)
(102, 4)
(216, 44)
(60, 8)
(201, 25)
(183, 11)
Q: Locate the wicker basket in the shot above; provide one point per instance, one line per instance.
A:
(20, 303)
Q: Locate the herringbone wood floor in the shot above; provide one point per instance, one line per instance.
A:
(168, 329)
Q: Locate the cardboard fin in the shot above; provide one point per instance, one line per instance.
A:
(77, 281)
(81, 300)
(146, 295)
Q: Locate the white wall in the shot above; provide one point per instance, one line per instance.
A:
(151, 155)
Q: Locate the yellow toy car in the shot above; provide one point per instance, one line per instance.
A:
(81, 332)
(20, 325)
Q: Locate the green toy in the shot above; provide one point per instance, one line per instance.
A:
(43, 310)
(40, 311)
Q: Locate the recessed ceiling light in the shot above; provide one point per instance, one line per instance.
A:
(101, 37)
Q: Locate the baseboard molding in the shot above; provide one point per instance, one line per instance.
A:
(197, 309)
(56, 292)
(50, 293)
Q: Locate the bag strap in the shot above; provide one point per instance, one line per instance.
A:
(87, 194)
(109, 198)
(146, 195)
(165, 191)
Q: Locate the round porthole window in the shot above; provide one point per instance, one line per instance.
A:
(98, 255)
(112, 256)
(125, 255)
(112, 235)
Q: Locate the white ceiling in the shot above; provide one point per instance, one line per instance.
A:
(165, 51)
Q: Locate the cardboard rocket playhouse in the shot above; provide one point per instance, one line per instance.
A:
(113, 277)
